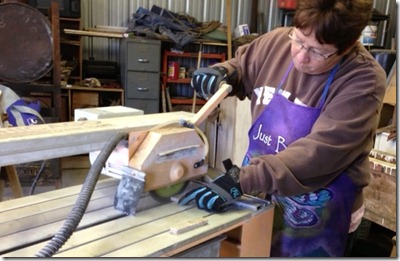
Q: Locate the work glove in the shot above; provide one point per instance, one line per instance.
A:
(207, 80)
(216, 195)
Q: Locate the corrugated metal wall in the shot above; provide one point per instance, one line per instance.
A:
(118, 13)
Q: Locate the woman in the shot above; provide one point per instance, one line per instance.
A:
(315, 96)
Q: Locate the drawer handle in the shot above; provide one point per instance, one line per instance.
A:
(143, 60)
(140, 89)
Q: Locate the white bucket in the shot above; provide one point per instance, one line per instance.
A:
(368, 35)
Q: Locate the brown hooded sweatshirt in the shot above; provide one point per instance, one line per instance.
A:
(342, 136)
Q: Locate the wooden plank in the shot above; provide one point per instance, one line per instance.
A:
(166, 244)
(46, 141)
(52, 211)
(2, 186)
(187, 225)
(257, 228)
(105, 238)
(43, 226)
(39, 237)
(228, 7)
(82, 237)
(50, 195)
(96, 34)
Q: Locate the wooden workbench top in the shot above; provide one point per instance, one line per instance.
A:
(26, 225)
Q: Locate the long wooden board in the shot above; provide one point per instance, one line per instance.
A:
(54, 140)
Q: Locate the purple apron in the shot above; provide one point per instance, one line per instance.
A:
(310, 224)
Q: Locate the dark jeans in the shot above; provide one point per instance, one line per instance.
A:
(351, 239)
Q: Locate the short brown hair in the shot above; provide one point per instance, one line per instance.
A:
(337, 22)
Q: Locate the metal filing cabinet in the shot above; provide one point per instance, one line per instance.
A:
(140, 61)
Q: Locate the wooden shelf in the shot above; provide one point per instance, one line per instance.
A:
(196, 55)
(186, 101)
(182, 80)
(77, 43)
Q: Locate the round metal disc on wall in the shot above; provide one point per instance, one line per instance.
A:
(26, 52)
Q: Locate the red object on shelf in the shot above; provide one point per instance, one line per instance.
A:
(173, 68)
(287, 4)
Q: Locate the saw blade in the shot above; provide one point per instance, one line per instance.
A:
(164, 194)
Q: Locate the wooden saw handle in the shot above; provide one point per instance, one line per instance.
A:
(212, 103)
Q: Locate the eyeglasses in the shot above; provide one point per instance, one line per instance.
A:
(312, 53)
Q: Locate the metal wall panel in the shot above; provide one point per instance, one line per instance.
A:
(118, 13)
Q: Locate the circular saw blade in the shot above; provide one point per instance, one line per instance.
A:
(164, 194)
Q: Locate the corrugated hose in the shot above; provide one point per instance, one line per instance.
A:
(76, 214)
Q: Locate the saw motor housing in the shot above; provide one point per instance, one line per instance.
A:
(168, 155)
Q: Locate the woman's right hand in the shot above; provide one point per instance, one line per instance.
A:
(207, 80)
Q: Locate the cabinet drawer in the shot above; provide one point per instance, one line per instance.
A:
(143, 85)
(143, 56)
(148, 106)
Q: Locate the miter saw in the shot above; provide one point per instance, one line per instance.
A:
(162, 160)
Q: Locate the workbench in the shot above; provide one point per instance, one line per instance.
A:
(26, 225)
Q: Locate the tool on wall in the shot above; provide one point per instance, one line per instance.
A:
(156, 161)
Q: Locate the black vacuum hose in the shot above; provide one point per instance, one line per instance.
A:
(76, 214)
(37, 177)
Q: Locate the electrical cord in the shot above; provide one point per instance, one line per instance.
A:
(76, 214)
(37, 177)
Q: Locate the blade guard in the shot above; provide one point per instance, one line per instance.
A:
(167, 155)
(173, 154)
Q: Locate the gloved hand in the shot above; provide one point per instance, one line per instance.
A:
(213, 196)
(206, 81)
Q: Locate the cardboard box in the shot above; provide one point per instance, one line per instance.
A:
(85, 99)
(383, 144)
(241, 30)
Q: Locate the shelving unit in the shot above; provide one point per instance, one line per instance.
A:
(84, 97)
(71, 47)
(178, 91)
